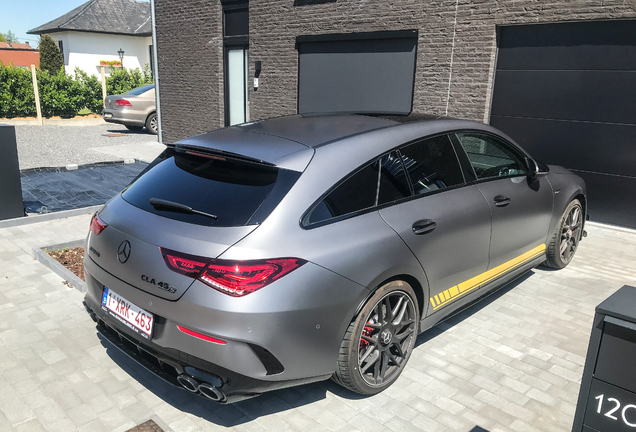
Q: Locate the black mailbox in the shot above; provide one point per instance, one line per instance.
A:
(11, 205)
(607, 401)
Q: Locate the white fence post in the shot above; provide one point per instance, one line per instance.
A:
(103, 84)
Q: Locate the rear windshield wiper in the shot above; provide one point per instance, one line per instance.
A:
(170, 205)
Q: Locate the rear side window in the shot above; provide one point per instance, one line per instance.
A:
(380, 182)
(356, 193)
(432, 164)
(238, 193)
(491, 157)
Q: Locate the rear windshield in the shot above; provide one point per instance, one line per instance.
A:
(140, 90)
(236, 192)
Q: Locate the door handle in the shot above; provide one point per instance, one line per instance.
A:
(501, 201)
(424, 226)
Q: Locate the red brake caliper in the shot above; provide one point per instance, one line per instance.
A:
(366, 332)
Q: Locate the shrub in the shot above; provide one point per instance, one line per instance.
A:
(123, 80)
(16, 92)
(91, 91)
(60, 94)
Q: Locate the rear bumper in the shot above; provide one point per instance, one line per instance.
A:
(286, 334)
(124, 117)
(167, 364)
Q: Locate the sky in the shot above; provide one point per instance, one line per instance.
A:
(19, 16)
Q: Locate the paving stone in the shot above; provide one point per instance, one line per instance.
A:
(513, 363)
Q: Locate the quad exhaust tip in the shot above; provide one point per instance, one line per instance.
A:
(188, 383)
(211, 392)
(206, 390)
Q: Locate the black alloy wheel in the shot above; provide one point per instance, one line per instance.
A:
(566, 239)
(379, 342)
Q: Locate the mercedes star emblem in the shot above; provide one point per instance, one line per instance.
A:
(123, 253)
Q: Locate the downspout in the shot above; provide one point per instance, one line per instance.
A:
(156, 71)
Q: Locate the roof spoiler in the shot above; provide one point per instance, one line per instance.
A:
(215, 153)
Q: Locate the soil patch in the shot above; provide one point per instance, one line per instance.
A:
(72, 259)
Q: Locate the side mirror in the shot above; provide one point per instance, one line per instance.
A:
(535, 171)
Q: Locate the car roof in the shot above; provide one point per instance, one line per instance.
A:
(289, 141)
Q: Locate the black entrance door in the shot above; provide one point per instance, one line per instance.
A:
(567, 94)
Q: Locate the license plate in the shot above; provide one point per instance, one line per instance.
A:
(129, 314)
(108, 115)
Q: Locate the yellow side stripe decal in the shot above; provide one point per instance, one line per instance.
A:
(453, 293)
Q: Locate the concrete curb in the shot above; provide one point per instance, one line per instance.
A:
(27, 220)
(55, 122)
(58, 268)
(612, 227)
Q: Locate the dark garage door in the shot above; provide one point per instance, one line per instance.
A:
(360, 72)
(567, 94)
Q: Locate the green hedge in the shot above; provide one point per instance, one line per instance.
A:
(60, 94)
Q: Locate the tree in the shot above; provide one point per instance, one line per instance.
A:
(2, 39)
(50, 56)
(10, 36)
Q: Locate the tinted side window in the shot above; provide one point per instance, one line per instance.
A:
(432, 164)
(491, 157)
(356, 193)
(393, 182)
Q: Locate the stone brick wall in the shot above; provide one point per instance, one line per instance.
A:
(464, 30)
(190, 60)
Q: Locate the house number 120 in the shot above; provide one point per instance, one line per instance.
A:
(616, 406)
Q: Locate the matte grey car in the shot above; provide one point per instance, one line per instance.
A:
(302, 248)
(135, 109)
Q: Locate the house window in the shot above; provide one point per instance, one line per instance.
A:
(235, 61)
(152, 61)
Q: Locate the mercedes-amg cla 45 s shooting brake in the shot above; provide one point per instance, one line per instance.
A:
(301, 248)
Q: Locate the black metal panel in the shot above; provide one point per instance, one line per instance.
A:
(611, 198)
(597, 147)
(11, 205)
(599, 45)
(600, 96)
(617, 344)
(362, 76)
(236, 22)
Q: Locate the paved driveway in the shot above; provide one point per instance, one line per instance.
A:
(511, 363)
(58, 146)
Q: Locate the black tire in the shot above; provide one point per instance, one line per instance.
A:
(133, 128)
(567, 236)
(360, 369)
(151, 124)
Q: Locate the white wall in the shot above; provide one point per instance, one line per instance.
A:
(85, 50)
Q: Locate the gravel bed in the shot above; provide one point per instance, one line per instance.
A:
(58, 146)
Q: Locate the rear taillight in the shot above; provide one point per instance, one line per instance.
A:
(97, 224)
(122, 102)
(235, 278)
(188, 265)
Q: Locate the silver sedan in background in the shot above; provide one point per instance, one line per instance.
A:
(135, 109)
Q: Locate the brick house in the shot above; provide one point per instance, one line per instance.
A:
(19, 54)
(558, 77)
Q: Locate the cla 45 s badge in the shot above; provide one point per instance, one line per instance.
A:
(162, 285)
